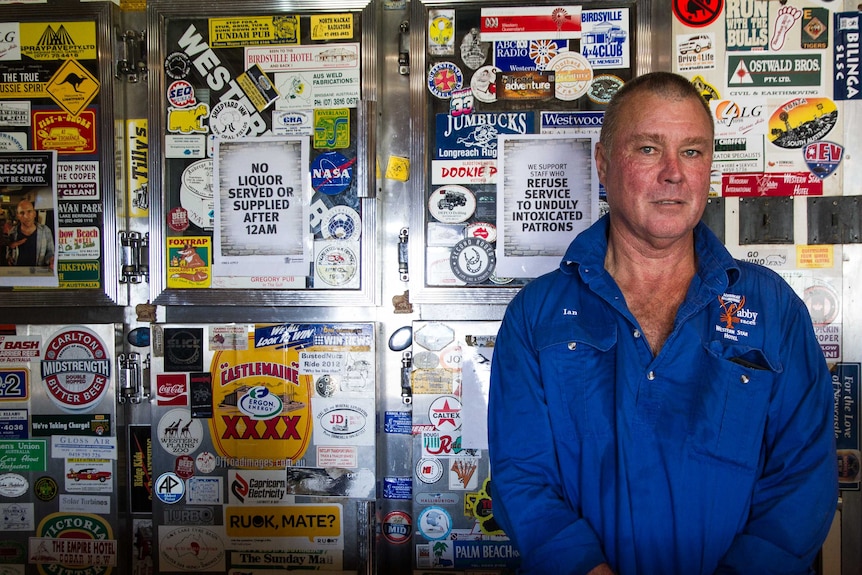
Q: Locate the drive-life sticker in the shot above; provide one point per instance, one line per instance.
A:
(76, 369)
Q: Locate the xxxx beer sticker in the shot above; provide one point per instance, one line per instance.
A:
(76, 369)
(242, 430)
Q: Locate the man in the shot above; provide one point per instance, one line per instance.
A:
(30, 243)
(656, 406)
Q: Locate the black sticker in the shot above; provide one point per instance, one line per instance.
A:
(201, 385)
(184, 349)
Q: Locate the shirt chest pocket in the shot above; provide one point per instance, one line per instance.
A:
(578, 372)
(728, 417)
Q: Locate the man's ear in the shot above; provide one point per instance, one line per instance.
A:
(600, 155)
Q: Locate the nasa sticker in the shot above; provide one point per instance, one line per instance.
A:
(181, 94)
(76, 369)
(473, 260)
(444, 78)
(230, 119)
(341, 223)
(572, 75)
(331, 173)
(452, 204)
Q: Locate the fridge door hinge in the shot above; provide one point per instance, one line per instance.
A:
(130, 387)
(132, 55)
(406, 385)
(134, 252)
(403, 268)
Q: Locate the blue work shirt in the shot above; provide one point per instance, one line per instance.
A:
(715, 456)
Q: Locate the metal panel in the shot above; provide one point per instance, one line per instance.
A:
(765, 221)
(834, 220)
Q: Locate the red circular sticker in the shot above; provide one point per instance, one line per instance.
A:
(697, 13)
(76, 369)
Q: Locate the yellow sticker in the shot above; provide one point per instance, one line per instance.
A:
(331, 128)
(253, 31)
(815, 256)
(332, 26)
(137, 160)
(398, 168)
(189, 262)
(310, 521)
(58, 40)
(73, 87)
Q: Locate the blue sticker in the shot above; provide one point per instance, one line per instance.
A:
(398, 422)
(445, 78)
(526, 55)
(474, 136)
(434, 523)
(823, 157)
(398, 488)
(331, 173)
(169, 488)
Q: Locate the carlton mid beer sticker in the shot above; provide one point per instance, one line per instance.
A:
(76, 368)
(262, 408)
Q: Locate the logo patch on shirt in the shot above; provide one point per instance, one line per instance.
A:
(735, 317)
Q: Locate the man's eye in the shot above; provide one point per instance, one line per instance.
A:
(692, 153)
(647, 149)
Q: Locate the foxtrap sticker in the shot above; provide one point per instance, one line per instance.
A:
(76, 369)
(444, 78)
(452, 204)
(572, 75)
(473, 260)
(179, 434)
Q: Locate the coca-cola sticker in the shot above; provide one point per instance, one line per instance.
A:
(76, 369)
(172, 389)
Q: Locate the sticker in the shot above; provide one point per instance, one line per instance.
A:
(196, 193)
(771, 184)
(331, 128)
(178, 219)
(190, 548)
(76, 369)
(188, 120)
(472, 260)
(258, 87)
(474, 136)
(73, 87)
(45, 488)
(739, 116)
(292, 123)
(461, 102)
(462, 473)
(802, 121)
(474, 52)
(429, 470)
(524, 23)
(10, 41)
(178, 433)
(201, 388)
(463, 172)
(189, 260)
(815, 28)
(452, 204)
(445, 413)
(434, 336)
(181, 94)
(750, 74)
(15, 113)
(230, 119)
(313, 57)
(746, 25)
(341, 223)
(441, 32)
(603, 88)
(398, 168)
(822, 158)
(444, 78)
(248, 30)
(846, 71)
(784, 21)
(205, 462)
(13, 141)
(13, 485)
(697, 14)
(78, 181)
(425, 360)
(572, 75)
(341, 422)
(169, 488)
(59, 40)
(605, 38)
(177, 65)
(185, 146)
(397, 488)
(532, 85)
(484, 84)
(65, 133)
(183, 349)
(527, 55)
(482, 231)
(59, 533)
(79, 243)
(398, 422)
(332, 26)
(707, 91)
(331, 173)
(335, 263)
(397, 527)
(14, 382)
(184, 466)
(434, 523)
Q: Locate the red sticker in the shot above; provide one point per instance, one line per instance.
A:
(697, 13)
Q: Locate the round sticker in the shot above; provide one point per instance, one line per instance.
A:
(425, 360)
(341, 223)
(336, 264)
(445, 413)
(444, 78)
(429, 470)
(603, 88)
(697, 14)
(45, 488)
(441, 30)
(76, 369)
(169, 488)
(397, 527)
(484, 84)
(230, 119)
(472, 260)
(177, 65)
(802, 121)
(325, 386)
(13, 485)
(434, 523)
(178, 433)
(178, 219)
(181, 94)
(196, 193)
(331, 173)
(473, 51)
(205, 462)
(572, 75)
(452, 204)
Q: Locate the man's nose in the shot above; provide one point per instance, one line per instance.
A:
(671, 168)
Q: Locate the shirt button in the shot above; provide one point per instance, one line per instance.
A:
(573, 345)
(651, 375)
(744, 378)
(636, 333)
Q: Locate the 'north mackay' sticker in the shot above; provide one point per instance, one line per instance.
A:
(76, 369)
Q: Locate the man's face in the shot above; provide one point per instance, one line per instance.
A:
(657, 174)
(26, 214)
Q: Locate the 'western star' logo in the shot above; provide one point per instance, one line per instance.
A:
(729, 315)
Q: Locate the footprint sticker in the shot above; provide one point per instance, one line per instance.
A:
(787, 17)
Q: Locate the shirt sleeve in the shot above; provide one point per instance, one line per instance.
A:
(526, 481)
(795, 497)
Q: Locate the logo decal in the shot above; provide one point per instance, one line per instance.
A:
(76, 368)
